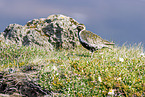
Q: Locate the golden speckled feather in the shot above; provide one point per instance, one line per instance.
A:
(90, 40)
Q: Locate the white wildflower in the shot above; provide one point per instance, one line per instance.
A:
(111, 91)
(121, 59)
(119, 78)
(54, 68)
(56, 73)
(142, 54)
(99, 78)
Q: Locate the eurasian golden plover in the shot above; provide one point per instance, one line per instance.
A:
(90, 40)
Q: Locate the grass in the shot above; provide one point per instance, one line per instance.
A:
(116, 72)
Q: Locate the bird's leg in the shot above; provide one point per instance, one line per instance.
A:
(92, 55)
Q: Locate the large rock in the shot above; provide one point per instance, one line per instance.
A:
(20, 85)
(56, 31)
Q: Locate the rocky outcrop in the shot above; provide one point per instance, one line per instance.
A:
(56, 31)
(20, 85)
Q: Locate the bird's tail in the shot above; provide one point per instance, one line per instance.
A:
(109, 44)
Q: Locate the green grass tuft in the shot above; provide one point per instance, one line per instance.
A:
(119, 71)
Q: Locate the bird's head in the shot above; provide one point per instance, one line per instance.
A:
(81, 27)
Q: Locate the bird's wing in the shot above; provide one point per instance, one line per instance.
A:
(94, 40)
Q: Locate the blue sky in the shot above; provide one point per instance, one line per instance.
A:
(118, 20)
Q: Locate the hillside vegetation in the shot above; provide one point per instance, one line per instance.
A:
(111, 72)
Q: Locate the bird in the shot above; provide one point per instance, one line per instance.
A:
(90, 40)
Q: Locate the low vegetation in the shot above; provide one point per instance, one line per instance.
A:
(111, 72)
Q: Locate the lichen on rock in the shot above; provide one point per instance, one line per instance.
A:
(55, 31)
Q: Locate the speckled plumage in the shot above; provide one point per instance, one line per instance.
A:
(90, 40)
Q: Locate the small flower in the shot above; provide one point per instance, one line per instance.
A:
(56, 73)
(111, 91)
(142, 54)
(65, 55)
(121, 59)
(54, 68)
(99, 78)
(119, 78)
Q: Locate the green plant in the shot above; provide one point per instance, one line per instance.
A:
(117, 72)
